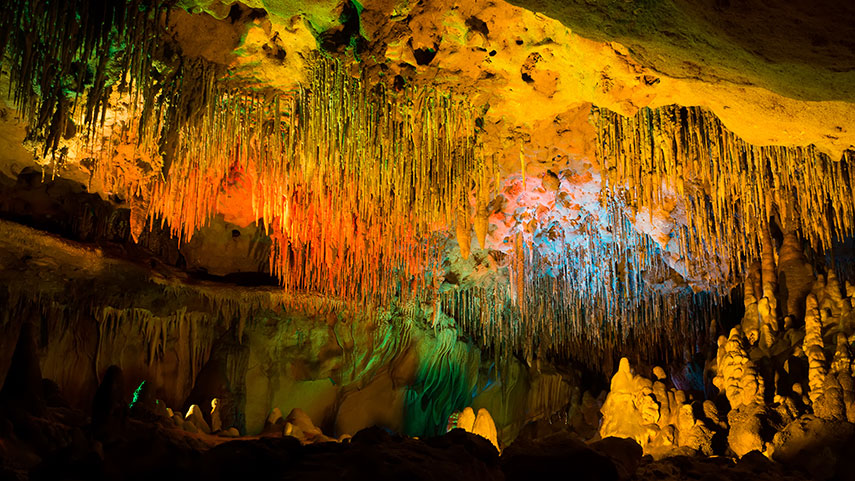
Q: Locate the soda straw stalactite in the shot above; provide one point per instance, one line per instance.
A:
(66, 58)
(360, 187)
(599, 298)
(732, 190)
(345, 178)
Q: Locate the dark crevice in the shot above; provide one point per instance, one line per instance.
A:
(424, 56)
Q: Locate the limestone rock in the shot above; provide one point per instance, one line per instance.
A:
(711, 414)
(626, 454)
(194, 417)
(485, 427)
(817, 446)
(22, 388)
(299, 425)
(587, 422)
(213, 381)
(216, 424)
(813, 348)
(549, 458)
(109, 408)
(829, 405)
(143, 406)
(745, 428)
(190, 427)
(52, 394)
(736, 375)
(550, 181)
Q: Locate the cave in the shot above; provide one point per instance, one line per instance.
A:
(427, 239)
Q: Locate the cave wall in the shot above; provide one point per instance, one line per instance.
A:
(252, 347)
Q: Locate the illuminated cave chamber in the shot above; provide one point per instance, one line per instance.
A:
(317, 238)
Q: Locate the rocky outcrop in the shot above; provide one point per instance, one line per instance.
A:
(658, 418)
(547, 458)
(482, 424)
(781, 390)
(110, 406)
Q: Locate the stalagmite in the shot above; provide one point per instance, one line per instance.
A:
(768, 322)
(658, 418)
(274, 418)
(144, 405)
(109, 407)
(751, 320)
(481, 424)
(813, 349)
(842, 361)
(485, 427)
(194, 416)
(795, 275)
(830, 404)
(768, 269)
(299, 425)
(736, 376)
(216, 423)
(466, 419)
(22, 388)
(847, 386)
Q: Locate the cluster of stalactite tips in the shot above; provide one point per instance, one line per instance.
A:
(351, 177)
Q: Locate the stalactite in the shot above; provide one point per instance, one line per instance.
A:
(67, 58)
(589, 307)
(351, 179)
(733, 190)
(347, 180)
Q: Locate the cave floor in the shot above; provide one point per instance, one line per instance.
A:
(61, 445)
